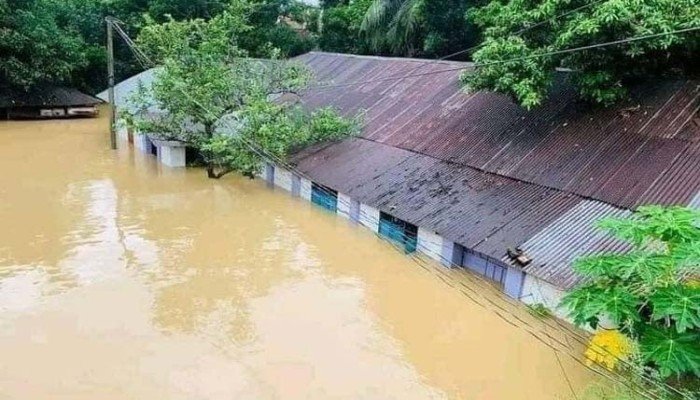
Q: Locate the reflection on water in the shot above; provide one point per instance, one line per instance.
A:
(120, 279)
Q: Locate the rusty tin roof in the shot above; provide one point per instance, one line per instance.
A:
(485, 173)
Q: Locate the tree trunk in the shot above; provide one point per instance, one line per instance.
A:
(210, 172)
(213, 174)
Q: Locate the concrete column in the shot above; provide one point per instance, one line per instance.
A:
(344, 203)
(513, 283)
(142, 142)
(305, 189)
(283, 178)
(451, 253)
(296, 185)
(369, 217)
(270, 174)
(354, 211)
(171, 153)
(430, 243)
(537, 291)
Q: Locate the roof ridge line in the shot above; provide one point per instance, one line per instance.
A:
(386, 58)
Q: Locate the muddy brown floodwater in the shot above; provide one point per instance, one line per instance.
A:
(120, 279)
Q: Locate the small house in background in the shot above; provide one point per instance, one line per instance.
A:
(45, 103)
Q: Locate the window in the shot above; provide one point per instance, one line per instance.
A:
(324, 197)
(399, 231)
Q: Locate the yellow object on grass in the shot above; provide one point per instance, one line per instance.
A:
(608, 348)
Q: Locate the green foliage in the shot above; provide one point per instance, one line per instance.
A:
(342, 22)
(646, 292)
(419, 27)
(278, 129)
(539, 310)
(163, 10)
(512, 64)
(276, 24)
(218, 100)
(36, 47)
(671, 351)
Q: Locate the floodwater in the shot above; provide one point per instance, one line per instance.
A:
(120, 279)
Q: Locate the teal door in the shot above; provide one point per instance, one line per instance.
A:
(399, 231)
(324, 197)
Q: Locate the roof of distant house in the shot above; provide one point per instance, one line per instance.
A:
(46, 97)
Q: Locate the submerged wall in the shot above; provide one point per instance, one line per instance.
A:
(513, 281)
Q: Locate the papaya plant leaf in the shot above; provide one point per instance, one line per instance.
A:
(672, 352)
(680, 303)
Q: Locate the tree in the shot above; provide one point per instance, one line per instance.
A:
(269, 22)
(213, 97)
(419, 27)
(648, 293)
(35, 47)
(513, 61)
(341, 27)
(179, 10)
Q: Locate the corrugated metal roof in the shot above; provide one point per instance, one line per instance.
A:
(481, 171)
(645, 150)
(482, 211)
(485, 173)
(46, 97)
(570, 236)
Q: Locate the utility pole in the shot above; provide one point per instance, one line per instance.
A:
(110, 77)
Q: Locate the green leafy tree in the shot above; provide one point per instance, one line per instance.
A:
(161, 10)
(271, 23)
(35, 47)
(512, 61)
(341, 27)
(419, 27)
(209, 94)
(648, 292)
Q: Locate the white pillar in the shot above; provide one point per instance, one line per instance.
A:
(344, 203)
(283, 178)
(430, 243)
(537, 291)
(305, 191)
(369, 217)
(171, 153)
(142, 143)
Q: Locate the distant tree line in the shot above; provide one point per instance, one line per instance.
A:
(62, 41)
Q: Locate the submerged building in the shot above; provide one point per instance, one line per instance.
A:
(474, 180)
(46, 102)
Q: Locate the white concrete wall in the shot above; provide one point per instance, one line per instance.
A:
(305, 192)
(430, 243)
(369, 217)
(344, 202)
(141, 142)
(283, 178)
(260, 173)
(537, 291)
(172, 156)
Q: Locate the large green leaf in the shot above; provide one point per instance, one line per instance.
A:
(591, 302)
(680, 303)
(672, 352)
